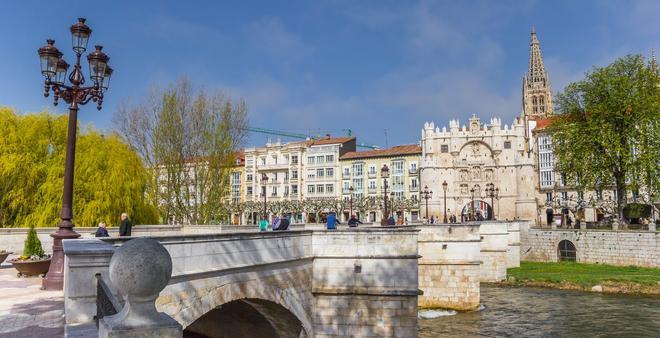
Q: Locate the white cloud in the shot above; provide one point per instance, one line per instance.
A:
(272, 37)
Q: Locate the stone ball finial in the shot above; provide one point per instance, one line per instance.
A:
(141, 267)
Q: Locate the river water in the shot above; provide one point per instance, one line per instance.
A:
(536, 312)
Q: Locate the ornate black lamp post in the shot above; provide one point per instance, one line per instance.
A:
(472, 204)
(350, 201)
(444, 190)
(426, 195)
(264, 181)
(384, 173)
(493, 193)
(54, 69)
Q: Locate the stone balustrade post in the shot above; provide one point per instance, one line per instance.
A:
(140, 269)
(652, 227)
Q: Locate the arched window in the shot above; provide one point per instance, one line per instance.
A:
(534, 102)
(541, 99)
(566, 251)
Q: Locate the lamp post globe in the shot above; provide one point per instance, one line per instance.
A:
(54, 69)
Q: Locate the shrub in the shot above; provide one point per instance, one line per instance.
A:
(637, 210)
(32, 245)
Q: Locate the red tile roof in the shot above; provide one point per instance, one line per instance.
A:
(406, 149)
(543, 123)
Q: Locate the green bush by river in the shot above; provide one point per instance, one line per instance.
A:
(569, 275)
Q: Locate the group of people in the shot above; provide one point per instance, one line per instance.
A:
(279, 223)
(451, 218)
(332, 221)
(125, 227)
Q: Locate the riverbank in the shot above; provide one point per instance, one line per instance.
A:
(586, 277)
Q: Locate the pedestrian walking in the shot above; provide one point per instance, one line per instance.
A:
(126, 226)
(102, 231)
(276, 223)
(353, 221)
(332, 221)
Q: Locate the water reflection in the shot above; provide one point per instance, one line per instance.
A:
(534, 312)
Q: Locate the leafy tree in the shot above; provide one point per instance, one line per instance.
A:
(188, 140)
(109, 177)
(607, 132)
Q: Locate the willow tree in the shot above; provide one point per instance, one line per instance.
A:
(607, 131)
(188, 139)
(109, 176)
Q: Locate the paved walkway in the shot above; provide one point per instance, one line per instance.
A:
(26, 310)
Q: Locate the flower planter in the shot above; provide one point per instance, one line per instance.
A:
(4, 255)
(29, 268)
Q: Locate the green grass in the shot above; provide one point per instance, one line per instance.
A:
(585, 275)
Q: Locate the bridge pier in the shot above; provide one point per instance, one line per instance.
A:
(365, 282)
(494, 250)
(449, 268)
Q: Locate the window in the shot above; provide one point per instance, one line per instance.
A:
(580, 195)
(311, 189)
(294, 189)
(319, 159)
(329, 188)
(564, 196)
(262, 160)
(310, 159)
(413, 167)
(372, 170)
(294, 159)
(248, 177)
(372, 184)
(444, 148)
(274, 191)
(329, 158)
(548, 197)
(294, 174)
(329, 172)
(347, 171)
(248, 191)
(413, 183)
(358, 185)
(357, 169)
(599, 194)
(397, 183)
(311, 173)
(397, 168)
(320, 173)
(319, 188)
(347, 185)
(507, 144)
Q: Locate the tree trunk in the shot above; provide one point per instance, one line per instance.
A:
(621, 199)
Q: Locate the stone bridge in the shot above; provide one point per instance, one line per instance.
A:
(301, 283)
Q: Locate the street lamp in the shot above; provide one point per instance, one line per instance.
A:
(426, 195)
(444, 189)
(384, 173)
(350, 202)
(264, 181)
(472, 204)
(493, 193)
(54, 70)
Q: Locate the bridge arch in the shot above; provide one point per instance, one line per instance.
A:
(251, 297)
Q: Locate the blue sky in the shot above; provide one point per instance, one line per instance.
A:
(306, 66)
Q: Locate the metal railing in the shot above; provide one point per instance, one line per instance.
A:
(106, 303)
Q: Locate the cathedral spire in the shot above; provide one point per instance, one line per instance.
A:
(537, 92)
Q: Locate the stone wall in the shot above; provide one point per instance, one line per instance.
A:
(494, 248)
(449, 266)
(639, 248)
(12, 239)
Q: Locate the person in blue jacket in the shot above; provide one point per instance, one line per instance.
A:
(332, 221)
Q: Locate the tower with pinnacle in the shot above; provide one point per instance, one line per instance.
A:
(537, 92)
